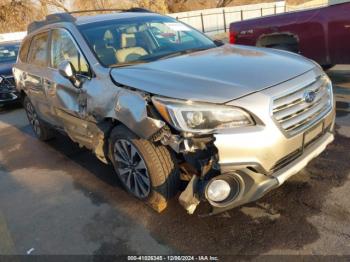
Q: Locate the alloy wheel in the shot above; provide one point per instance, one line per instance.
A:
(131, 168)
(33, 118)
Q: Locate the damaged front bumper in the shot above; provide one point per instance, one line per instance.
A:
(255, 185)
(252, 184)
(261, 158)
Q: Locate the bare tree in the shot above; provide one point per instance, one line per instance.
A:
(59, 4)
(102, 4)
(160, 6)
(223, 3)
(15, 15)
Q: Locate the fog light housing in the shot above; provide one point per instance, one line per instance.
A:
(223, 189)
(218, 190)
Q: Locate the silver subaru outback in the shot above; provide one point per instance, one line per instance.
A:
(173, 110)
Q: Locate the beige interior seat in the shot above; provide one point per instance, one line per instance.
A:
(129, 51)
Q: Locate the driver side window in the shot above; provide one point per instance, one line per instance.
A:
(64, 49)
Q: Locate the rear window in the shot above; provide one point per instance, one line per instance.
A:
(23, 53)
(38, 50)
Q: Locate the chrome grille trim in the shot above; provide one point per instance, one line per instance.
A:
(294, 114)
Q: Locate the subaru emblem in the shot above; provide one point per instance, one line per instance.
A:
(309, 96)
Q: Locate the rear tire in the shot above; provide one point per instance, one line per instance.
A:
(153, 165)
(41, 130)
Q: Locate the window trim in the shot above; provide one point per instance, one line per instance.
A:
(91, 74)
(47, 48)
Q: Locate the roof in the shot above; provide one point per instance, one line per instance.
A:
(106, 17)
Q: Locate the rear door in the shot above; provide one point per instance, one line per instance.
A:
(37, 70)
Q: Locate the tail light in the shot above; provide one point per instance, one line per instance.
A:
(232, 37)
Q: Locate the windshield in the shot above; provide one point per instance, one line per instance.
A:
(8, 52)
(129, 41)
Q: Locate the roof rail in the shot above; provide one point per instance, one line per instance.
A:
(133, 9)
(50, 19)
(68, 16)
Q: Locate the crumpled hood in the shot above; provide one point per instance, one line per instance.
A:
(6, 68)
(216, 75)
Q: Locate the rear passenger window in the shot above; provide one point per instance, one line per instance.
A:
(24, 50)
(64, 49)
(38, 50)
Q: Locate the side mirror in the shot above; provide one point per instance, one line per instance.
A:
(67, 70)
(218, 42)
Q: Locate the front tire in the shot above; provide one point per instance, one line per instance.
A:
(147, 171)
(42, 131)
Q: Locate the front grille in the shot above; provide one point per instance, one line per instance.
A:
(7, 84)
(295, 112)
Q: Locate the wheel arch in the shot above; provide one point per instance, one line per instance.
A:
(270, 40)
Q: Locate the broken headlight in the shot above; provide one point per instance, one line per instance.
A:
(196, 117)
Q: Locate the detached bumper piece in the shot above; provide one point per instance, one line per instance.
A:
(8, 92)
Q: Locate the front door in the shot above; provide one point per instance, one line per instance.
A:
(68, 102)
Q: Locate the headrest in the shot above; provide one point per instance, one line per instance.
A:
(131, 30)
(128, 40)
